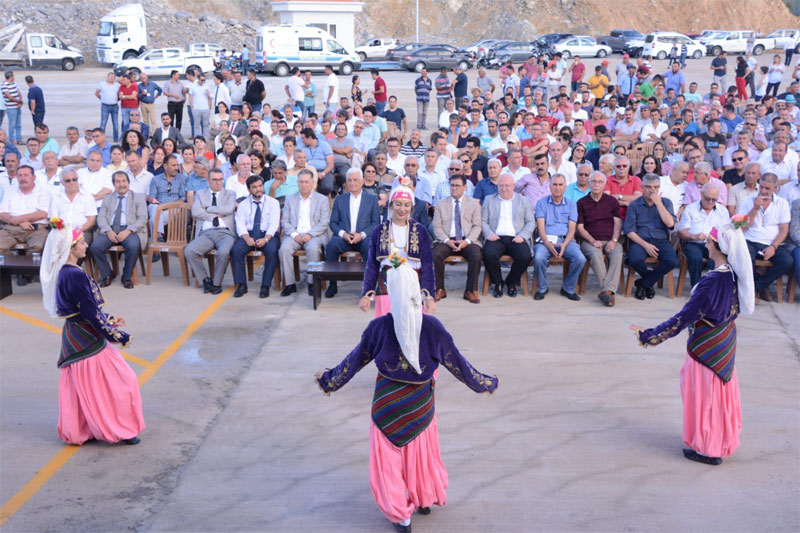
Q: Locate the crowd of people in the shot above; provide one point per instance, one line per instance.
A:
(541, 164)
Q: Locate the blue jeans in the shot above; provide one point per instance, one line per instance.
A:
(796, 257)
(379, 106)
(541, 255)
(666, 254)
(14, 124)
(191, 119)
(781, 264)
(38, 118)
(695, 252)
(126, 118)
(111, 110)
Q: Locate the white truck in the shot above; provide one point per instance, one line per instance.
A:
(735, 42)
(122, 34)
(41, 50)
(782, 37)
(376, 48)
(162, 61)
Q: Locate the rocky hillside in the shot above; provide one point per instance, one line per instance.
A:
(460, 22)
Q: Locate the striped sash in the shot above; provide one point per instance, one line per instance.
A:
(714, 347)
(79, 340)
(402, 410)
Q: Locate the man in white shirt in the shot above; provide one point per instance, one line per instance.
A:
(237, 87)
(330, 92)
(34, 157)
(768, 226)
(220, 93)
(444, 116)
(674, 185)
(73, 205)
(514, 158)
(200, 99)
(395, 161)
(560, 166)
(139, 176)
(95, 179)
(48, 176)
(430, 170)
(73, 152)
(23, 212)
(654, 130)
(257, 223)
(295, 89)
(744, 189)
(694, 226)
(779, 162)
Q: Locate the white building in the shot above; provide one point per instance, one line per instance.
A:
(337, 17)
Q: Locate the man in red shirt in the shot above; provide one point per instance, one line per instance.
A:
(623, 186)
(544, 117)
(380, 91)
(128, 99)
(578, 69)
(536, 144)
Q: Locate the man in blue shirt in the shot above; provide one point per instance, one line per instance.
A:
(422, 90)
(101, 145)
(488, 186)
(729, 117)
(371, 133)
(460, 87)
(674, 79)
(556, 221)
(148, 92)
(320, 156)
(35, 101)
(648, 222)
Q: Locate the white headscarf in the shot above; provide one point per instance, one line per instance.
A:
(54, 256)
(732, 243)
(402, 284)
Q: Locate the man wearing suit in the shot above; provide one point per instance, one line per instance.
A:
(257, 221)
(166, 131)
(212, 210)
(122, 219)
(355, 215)
(508, 224)
(457, 230)
(305, 220)
(236, 126)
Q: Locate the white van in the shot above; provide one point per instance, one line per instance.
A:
(281, 47)
(659, 43)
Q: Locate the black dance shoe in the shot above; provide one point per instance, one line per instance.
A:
(694, 456)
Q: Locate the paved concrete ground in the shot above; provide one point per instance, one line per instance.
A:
(74, 91)
(583, 434)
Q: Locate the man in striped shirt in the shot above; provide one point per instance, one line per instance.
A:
(422, 88)
(13, 102)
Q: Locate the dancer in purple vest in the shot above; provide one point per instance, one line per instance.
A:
(712, 415)
(406, 472)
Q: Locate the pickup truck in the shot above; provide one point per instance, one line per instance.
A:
(162, 61)
(735, 42)
(781, 37)
(376, 48)
(41, 49)
(617, 39)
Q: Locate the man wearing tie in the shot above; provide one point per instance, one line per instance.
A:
(213, 210)
(221, 93)
(122, 220)
(355, 215)
(457, 229)
(305, 220)
(257, 221)
(237, 128)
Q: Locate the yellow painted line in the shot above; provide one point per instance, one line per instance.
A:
(43, 476)
(53, 329)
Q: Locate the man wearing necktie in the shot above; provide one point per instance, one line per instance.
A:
(457, 230)
(213, 211)
(121, 220)
(257, 223)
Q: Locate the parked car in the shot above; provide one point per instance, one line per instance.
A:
(514, 51)
(482, 44)
(162, 61)
(376, 48)
(659, 43)
(634, 47)
(617, 39)
(544, 43)
(781, 37)
(581, 45)
(435, 57)
(403, 49)
(735, 42)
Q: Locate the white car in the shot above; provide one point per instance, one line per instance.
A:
(659, 43)
(581, 45)
(376, 48)
(162, 61)
(735, 42)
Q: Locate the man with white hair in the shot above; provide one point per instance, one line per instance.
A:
(353, 218)
(137, 172)
(442, 192)
(579, 189)
(694, 226)
(600, 226)
(702, 175)
(488, 185)
(238, 182)
(674, 185)
(49, 174)
(508, 223)
(74, 206)
(95, 179)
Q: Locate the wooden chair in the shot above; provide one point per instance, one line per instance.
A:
(791, 287)
(250, 260)
(350, 257)
(114, 253)
(761, 263)
(524, 277)
(650, 261)
(583, 279)
(175, 239)
(20, 249)
(552, 261)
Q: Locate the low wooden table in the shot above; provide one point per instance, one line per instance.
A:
(15, 264)
(333, 271)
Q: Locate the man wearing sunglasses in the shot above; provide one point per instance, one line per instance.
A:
(74, 206)
(695, 224)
